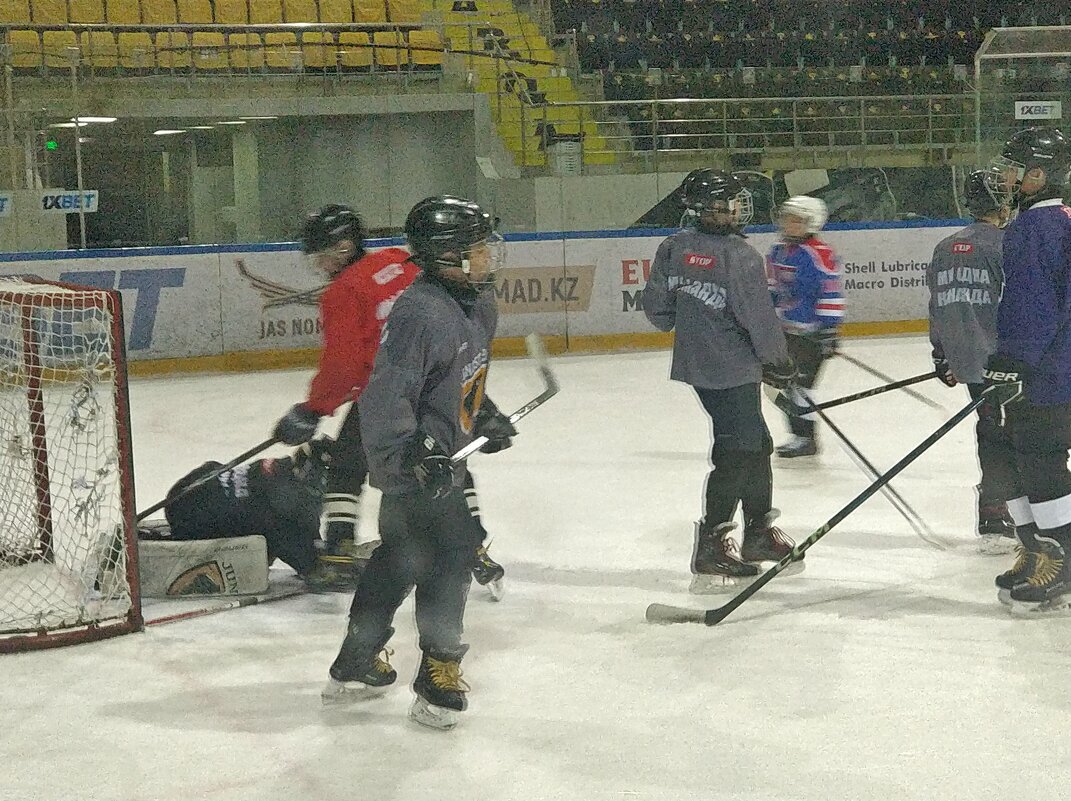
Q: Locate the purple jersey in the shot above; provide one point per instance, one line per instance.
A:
(1034, 316)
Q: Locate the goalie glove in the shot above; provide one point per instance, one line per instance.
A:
(297, 426)
(491, 423)
(431, 465)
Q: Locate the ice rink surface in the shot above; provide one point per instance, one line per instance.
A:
(887, 670)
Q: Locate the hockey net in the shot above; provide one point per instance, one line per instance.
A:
(68, 570)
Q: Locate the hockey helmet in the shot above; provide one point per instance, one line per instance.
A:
(978, 194)
(1043, 148)
(809, 209)
(716, 191)
(324, 229)
(443, 231)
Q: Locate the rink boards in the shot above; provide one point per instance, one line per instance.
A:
(250, 306)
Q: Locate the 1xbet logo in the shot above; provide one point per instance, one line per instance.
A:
(147, 285)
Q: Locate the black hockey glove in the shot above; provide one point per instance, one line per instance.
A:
(1003, 380)
(779, 375)
(432, 467)
(491, 423)
(297, 426)
(828, 340)
(943, 370)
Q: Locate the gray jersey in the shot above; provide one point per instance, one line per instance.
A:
(712, 290)
(429, 376)
(965, 279)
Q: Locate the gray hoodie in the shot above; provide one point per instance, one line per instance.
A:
(712, 290)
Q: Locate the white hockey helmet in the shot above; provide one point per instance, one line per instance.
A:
(811, 209)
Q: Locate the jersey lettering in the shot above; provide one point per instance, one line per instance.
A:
(472, 391)
(962, 247)
(698, 260)
(387, 274)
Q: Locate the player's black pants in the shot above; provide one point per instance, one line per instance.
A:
(349, 468)
(740, 457)
(427, 543)
(1041, 438)
(806, 352)
(996, 458)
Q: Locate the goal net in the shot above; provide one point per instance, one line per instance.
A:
(68, 569)
(1022, 78)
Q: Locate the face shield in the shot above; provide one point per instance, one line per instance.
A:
(483, 260)
(331, 260)
(1003, 179)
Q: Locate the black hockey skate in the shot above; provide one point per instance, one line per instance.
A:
(440, 690)
(996, 531)
(717, 564)
(1025, 562)
(334, 574)
(489, 573)
(359, 671)
(1046, 587)
(765, 542)
(797, 447)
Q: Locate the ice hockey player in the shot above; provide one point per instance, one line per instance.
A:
(363, 287)
(423, 402)
(279, 499)
(965, 278)
(1028, 377)
(805, 280)
(709, 286)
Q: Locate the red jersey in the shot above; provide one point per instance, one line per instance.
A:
(353, 309)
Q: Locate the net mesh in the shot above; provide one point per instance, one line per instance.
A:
(62, 530)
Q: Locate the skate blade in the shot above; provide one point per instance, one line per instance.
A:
(1004, 596)
(497, 588)
(1036, 611)
(434, 717)
(338, 693)
(713, 584)
(996, 546)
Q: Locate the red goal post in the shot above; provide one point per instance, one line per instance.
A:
(68, 542)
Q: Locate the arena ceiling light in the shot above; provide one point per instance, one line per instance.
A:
(168, 131)
(71, 124)
(258, 118)
(93, 119)
(231, 122)
(202, 127)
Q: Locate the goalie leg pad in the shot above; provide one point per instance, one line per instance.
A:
(232, 566)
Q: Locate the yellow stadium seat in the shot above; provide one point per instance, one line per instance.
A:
(25, 49)
(265, 12)
(209, 51)
(194, 12)
(246, 50)
(231, 12)
(15, 10)
(318, 50)
(99, 49)
(57, 44)
(124, 12)
(389, 49)
(159, 12)
(281, 51)
(134, 49)
(339, 11)
(90, 11)
(173, 50)
(354, 50)
(425, 49)
(49, 12)
(300, 11)
(369, 11)
(403, 11)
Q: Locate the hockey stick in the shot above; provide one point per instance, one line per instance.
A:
(877, 391)
(866, 368)
(664, 613)
(233, 463)
(237, 603)
(550, 389)
(895, 498)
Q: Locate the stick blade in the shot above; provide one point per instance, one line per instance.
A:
(664, 613)
(538, 352)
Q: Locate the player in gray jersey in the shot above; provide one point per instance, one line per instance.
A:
(709, 286)
(425, 401)
(965, 278)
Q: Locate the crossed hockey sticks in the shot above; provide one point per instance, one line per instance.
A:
(866, 368)
(279, 294)
(665, 613)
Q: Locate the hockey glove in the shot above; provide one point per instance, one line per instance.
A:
(432, 467)
(1003, 381)
(494, 425)
(943, 370)
(828, 342)
(779, 375)
(297, 426)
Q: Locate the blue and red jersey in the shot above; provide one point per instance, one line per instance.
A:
(805, 282)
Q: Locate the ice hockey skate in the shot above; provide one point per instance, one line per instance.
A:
(996, 531)
(1025, 559)
(489, 573)
(359, 672)
(717, 564)
(797, 447)
(440, 690)
(1048, 586)
(765, 542)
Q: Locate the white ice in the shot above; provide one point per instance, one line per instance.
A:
(886, 671)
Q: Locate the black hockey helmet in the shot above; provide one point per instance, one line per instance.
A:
(714, 190)
(330, 225)
(978, 194)
(441, 230)
(1045, 148)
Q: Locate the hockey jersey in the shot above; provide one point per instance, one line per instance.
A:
(805, 281)
(965, 279)
(353, 309)
(429, 377)
(1034, 315)
(711, 290)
